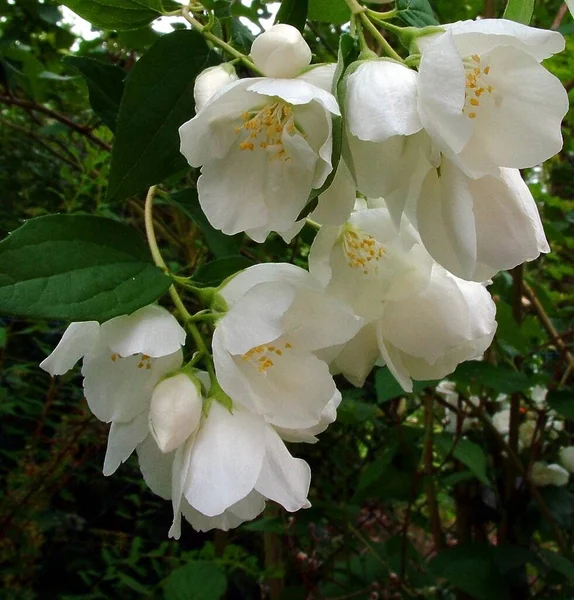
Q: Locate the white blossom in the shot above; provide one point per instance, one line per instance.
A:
(265, 347)
(210, 81)
(543, 475)
(123, 360)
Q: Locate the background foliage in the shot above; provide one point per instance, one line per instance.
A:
(403, 506)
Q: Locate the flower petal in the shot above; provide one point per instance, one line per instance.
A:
(77, 341)
(156, 467)
(381, 101)
(122, 441)
(151, 330)
(226, 459)
(283, 478)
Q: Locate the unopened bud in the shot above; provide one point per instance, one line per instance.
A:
(211, 81)
(175, 411)
(281, 52)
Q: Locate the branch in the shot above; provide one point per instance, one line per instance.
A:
(432, 503)
(27, 105)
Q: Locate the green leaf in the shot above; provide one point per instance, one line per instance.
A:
(559, 563)
(416, 13)
(470, 454)
(221, 245)
(270, 524)
(157, 99)
(388, 388)
(198, 580)
(562, 401)
(293, 12)
(336, 12)
(105, 86)
(76, 267)
(213, 273)
(519, 11)
(500, 379)
(116, 14)
(471, 568)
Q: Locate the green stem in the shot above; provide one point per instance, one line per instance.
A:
(217, 41)
(178, 302)
(368, 25)
(382, 16)
(355, 7)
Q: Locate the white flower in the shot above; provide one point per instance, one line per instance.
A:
(265, 347)
(543, 475)
(226, 470)
(210, 81)
(175, 411)
(263, 145)
(526, 432)
(124, 358)
(484, 97)
(422, 321)
(538, 394)
(477, 227)
(501, 420)
(280, 51)
(567, 458)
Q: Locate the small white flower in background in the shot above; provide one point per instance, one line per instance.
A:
(457, 419)
(538, 394)
(265, 347)
(501, 420)
(263, 144)
(543, 475)
(211, 81)
(421, 320)
(123, 360)
(484, 97)
(526, 433)
(280, 51)
(566, 456)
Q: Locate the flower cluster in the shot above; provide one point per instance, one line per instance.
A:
(424, 205)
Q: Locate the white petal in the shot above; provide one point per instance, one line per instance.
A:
(118, 389)
(441, 87)
(179, 479)
(392, 358)
(226, 459)
(446, 220)
(478, 37)
(257, 318)
(77, 341)
(283, 478)
(320, 254)
(359, 356)
(211, 81)
(320, 76)
(263, 272)
(156, 467)
(151, 330)
(336, 202)
(520, 127)
(381, 101)
(122, 441)
(294, 91)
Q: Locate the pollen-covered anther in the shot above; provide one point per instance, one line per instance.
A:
(144, 362)
(476, 85)
(262, 356)
(362, 250)
(265, 127)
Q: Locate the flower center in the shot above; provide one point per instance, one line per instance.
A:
(143, 363)
(265, 129)
(263, 356)
(477, 85)
(362, 250)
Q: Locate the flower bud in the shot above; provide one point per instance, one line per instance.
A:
(211, 81)
(280, 52)
(526, 433)
(542, 474)
(175, 411)
(567, 458)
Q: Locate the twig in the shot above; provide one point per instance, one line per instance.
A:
(27, 105)
(436, 527)
(559, 16)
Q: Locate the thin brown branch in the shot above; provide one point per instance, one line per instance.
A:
(432, 504)
(562, 11)
(27, 105)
